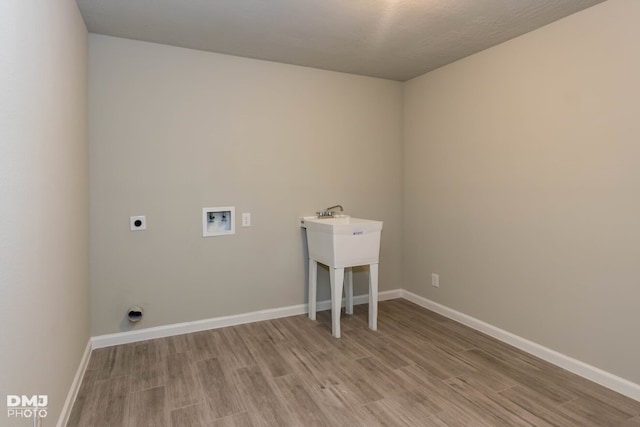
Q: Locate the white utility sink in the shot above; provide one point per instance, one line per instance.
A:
(342, 242)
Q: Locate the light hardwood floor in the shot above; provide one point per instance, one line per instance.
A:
(418, 369)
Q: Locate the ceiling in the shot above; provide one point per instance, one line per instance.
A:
(392, 39)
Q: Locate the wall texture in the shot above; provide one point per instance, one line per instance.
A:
(174, 130)
(44, 231)
(522, 183)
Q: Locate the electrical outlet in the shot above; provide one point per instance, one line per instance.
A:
(246, 220)
(137, 223)
(435, 280)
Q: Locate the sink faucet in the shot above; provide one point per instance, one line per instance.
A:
(329, 211)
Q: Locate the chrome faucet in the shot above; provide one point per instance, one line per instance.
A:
(328, 212)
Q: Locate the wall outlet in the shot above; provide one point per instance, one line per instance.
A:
(435, 280)
(246, 220)
(137, 223)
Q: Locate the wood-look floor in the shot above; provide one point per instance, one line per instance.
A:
(418, 369)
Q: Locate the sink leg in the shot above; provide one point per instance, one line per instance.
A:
(348, 290)
(337, 280)
(313, 285)
(373, 297)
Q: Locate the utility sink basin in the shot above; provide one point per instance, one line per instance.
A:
(343, 241)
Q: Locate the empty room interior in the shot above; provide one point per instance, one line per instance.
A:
(336, 213)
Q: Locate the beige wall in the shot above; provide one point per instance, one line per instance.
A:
(174, 130)
(44, 301)
(522, 186)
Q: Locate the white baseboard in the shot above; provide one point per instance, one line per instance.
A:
(592, 373)
(220, 322)
(387, 295)
(118, 338)
(75, 386)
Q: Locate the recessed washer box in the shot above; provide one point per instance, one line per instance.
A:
(218, 221)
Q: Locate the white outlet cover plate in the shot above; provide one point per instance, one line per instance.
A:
(143, 223)
(246, 220)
